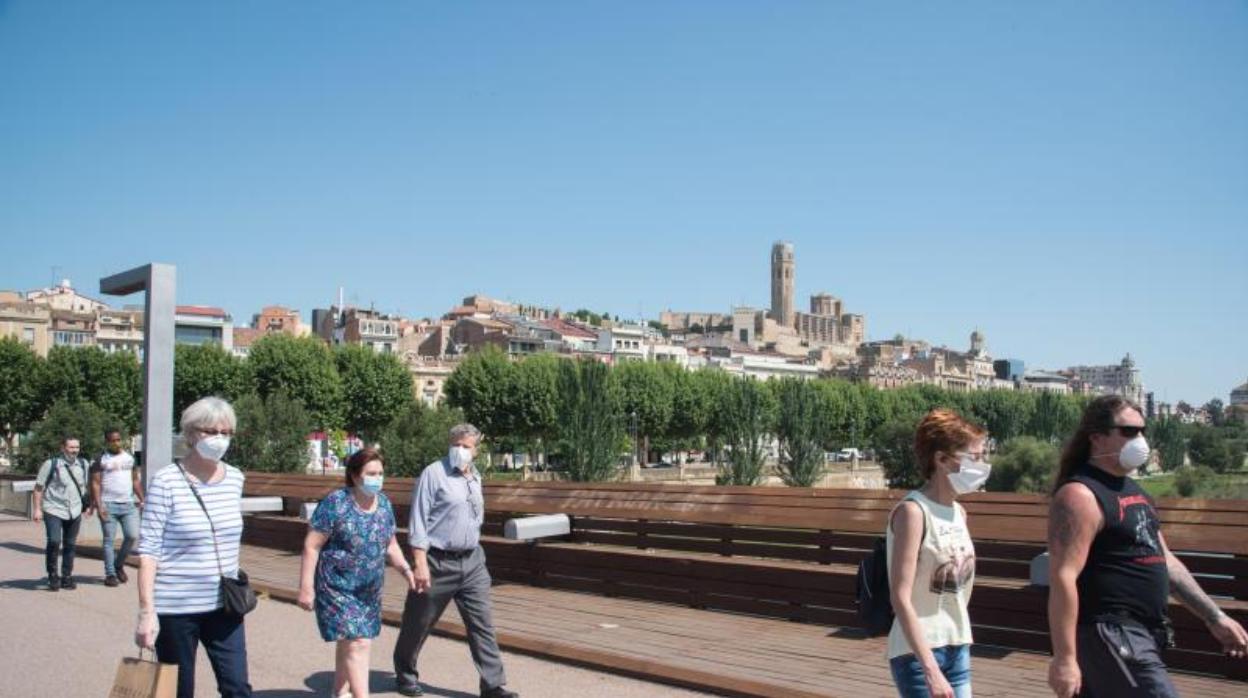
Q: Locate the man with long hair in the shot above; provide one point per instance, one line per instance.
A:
(1111, 571)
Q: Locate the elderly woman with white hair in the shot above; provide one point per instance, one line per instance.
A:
(189, 539)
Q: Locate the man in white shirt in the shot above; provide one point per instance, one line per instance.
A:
(118, 490)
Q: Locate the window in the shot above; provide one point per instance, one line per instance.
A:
(28, 335)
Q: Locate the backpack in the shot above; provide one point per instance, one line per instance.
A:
(873, 595)
(875, 603)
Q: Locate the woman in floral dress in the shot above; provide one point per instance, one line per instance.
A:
(344, 563)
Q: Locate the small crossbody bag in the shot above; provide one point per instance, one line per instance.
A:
(236, 596)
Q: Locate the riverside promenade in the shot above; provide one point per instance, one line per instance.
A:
(68, 643)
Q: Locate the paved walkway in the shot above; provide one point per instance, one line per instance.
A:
(68, 643)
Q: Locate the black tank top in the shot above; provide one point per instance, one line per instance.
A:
(1125, 573)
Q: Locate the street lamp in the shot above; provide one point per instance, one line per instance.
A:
(159, 283)
(633, 430)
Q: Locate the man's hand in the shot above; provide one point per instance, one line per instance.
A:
(38, 516)
(103, 515)
(1231, 634)
(1064, 677)
(410, 576)
(422, 580)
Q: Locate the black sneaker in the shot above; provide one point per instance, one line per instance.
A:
(68, 584)
(499, 692)
(413, 690)
(54, 583)
(121, 575)
(111, 581)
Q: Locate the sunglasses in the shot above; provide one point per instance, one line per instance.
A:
(1130, 432)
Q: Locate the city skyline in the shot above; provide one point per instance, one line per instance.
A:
(1067, 179)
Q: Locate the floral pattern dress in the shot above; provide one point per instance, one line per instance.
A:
(352, 565)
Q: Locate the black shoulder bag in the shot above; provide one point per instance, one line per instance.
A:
(236, 595)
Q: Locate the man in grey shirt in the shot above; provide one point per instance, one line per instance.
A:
(60, 502)
(444, 533)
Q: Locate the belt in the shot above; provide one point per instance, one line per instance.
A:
(1161, 629)
(451, 554)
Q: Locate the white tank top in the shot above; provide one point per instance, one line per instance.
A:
(942, 580)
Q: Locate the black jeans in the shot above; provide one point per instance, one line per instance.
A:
(1120, 659)
(223, 638)
(62, 538)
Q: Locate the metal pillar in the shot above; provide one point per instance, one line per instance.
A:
(159, 282)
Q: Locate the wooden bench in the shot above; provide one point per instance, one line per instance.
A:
(792, 553)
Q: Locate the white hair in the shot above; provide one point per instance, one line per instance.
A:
(461, 430)
(206, 413)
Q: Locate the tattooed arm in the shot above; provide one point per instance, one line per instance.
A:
(1184, 587)
(1074, 519)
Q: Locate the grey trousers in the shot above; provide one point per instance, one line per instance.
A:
(467, 581)
(1119, 659)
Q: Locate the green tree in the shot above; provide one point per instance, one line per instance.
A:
(1217, 411)
(21, 403)
(589, 431)
(894, 448)
(692, 404)
(715, 386)
(482, 386)
(647, 390)
(534, 402)
(304, 368)
(1208, 447)
(1166, 435)
(801, 429)
(272, 434)
(1189, 481)
(1023, 464)
(749, 419)
(82, 420)
(1004, 413)
(1054, 417)
(203, 370)
(375, 389)
(418, 437)
(89, 374)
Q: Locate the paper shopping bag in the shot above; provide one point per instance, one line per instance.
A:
(141, 678)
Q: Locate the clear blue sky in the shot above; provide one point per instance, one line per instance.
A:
(1070, 177)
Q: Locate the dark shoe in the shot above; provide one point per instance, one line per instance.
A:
(111, 581)
(54, 583)
(499, 692)
(414, 690)
(68, 584)
(121, 575)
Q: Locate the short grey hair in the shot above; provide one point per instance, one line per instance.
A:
(204, 413)
(461, 430)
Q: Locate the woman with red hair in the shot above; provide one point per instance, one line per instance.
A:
(931, 561)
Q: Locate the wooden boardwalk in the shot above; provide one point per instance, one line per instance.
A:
(713, 651)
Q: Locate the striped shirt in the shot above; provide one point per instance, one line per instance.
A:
(175, 533)
(447, 509)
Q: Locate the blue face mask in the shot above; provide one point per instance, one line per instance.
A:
(372, 484)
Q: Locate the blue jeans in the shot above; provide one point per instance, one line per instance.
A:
(127, 515)
(62, 540)
(955, 664)
(225, 641)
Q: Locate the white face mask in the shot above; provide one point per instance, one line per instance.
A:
(971, 476)
(1134, 453)
(213, 447)
(460, 458)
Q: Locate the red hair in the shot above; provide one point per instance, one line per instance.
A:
(943, 431)
(359, 459)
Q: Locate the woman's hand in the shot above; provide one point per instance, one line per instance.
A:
(307, 596)
(145, 630)
(937, 685)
